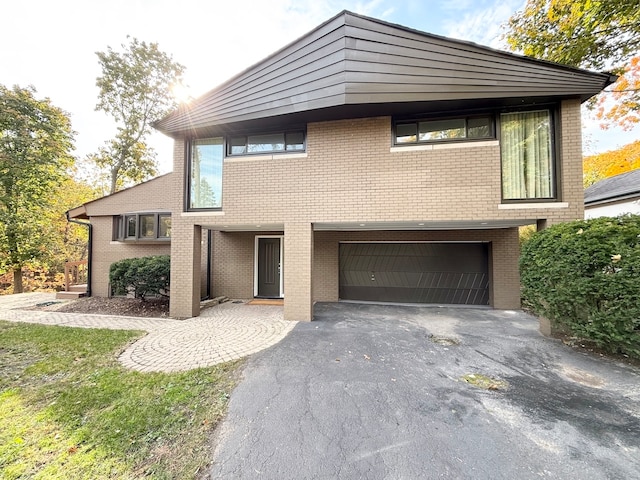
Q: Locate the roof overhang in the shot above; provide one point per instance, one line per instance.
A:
(78, 212)
(354, 111)
(416, 225)
(353, 66)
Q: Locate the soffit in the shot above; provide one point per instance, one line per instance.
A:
(371, 226)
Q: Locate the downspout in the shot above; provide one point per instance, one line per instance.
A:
(89, 248)
(209, 263)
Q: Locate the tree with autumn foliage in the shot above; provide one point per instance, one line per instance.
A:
(623, 106)
(595, 34)
(609, 164)
(36, 141)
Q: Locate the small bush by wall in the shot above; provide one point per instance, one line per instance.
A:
(142, 277)
(585, 276)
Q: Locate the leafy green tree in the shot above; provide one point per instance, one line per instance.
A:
(36, 141)
(136, 90)
(68, 241)
(594, 34)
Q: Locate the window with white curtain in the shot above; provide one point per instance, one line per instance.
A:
(527, 156)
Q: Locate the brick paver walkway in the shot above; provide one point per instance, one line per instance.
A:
(221, 333)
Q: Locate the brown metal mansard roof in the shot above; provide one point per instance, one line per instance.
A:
(353, 65)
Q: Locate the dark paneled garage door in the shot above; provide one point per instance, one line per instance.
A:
(442, 273)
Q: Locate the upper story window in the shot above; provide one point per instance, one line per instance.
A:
(205, 174)
(438, 130)
(526, 148)
(266, 143)
(142, 226)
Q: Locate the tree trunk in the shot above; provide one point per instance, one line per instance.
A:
(114, 180)
(17, 280)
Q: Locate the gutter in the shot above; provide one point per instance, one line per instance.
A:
(89, 248)
(613, 198)
(207, 296)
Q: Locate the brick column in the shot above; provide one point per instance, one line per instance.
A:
(185, 271)
(506, 275)
(298, 268)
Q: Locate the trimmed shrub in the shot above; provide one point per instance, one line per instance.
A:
(585, 275)
(141, 277)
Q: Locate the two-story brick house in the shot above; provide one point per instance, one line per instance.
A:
(367, 161)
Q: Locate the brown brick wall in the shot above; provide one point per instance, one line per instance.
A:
(186, 267)
(147, 196)
(233, 260)
(106, 251)
(298, 268)
(350, 173)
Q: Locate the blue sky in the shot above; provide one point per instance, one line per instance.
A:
(51, 44)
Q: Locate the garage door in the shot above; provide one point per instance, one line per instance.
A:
(441, 273)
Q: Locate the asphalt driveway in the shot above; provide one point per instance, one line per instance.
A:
(377, 392)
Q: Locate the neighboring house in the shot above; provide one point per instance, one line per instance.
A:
(367, 161)
(613, 196)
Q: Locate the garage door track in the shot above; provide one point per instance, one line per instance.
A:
(388, 392)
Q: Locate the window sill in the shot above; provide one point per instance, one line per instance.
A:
(203, 213)
(267, 156)
(140, 241)
(530, 206)
(444, 146)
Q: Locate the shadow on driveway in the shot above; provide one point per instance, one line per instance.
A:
(378, 392)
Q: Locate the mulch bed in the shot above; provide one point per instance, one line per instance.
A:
(128, 307)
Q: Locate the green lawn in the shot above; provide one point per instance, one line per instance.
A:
(68, 410)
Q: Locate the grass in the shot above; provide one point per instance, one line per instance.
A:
(69, 411)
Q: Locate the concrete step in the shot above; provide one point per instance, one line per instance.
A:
(78, 288)
(70, 295)
(213, 301)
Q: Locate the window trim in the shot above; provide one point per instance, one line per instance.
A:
(555, 135)
(417, 120)
(285, 151)
(121, 230)
(188, 149)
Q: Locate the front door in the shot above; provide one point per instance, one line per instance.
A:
(269, 267)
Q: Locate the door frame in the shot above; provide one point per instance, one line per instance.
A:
(255, 263)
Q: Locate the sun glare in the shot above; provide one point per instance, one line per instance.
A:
(181, 93)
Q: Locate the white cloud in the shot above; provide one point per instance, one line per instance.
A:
(483, 24)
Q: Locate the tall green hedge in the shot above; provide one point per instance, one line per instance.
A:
(585, 275)
(142, 276)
